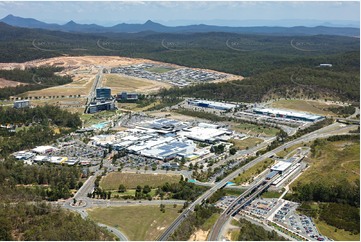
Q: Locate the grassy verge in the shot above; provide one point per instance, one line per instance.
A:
(208, 224)
(293, 235)
(136, 222)
(247, 175)
(130, 192)
(233, 192)
(271, 194)
(287, 151)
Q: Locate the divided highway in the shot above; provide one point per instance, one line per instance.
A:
(333, 129)
(96, 84)
(237, 205)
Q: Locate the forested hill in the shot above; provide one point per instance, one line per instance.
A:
(149, 25)
(269, 61)
(289, 82)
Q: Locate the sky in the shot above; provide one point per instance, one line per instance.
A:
(172, 13)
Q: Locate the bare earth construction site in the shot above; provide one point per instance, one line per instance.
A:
(83, 69)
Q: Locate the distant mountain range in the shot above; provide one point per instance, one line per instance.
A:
(71, 26)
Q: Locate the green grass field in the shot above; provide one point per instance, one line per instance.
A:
(132, 180)
(245, 143)
(337, 161)
(138, 223)
(316, 107)
(253, 171)
(334, 233)
(254, 129)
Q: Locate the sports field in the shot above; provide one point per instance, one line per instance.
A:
(120, 83)
(138, 223)
(132, 180)
(316, 107)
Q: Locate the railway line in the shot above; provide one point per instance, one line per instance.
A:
(244, 199)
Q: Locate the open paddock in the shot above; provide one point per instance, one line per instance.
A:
(245, 143)
(120, 83)
(138, 223)
(132, 180)
(310, 106)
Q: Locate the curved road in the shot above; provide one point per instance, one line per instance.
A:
(333, 129)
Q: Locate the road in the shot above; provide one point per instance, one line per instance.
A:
(115, 231)
(92, 93)
(88, 187)
(236, 206)
(333, 129)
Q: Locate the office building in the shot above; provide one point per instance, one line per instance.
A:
(22, 104)
(103, 93)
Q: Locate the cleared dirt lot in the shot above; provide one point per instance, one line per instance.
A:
(76, 61)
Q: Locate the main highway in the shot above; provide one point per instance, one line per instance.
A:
(238, 204)
(333, 129)
(96, 84)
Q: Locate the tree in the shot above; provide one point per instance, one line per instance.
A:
(138, 189)
(5, 229)
(232, 151)
(122, 188)
(80, 184)
(146, 189)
